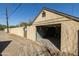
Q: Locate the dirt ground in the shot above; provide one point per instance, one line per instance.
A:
(12, 45)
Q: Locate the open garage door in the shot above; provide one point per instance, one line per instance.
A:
(50, 32)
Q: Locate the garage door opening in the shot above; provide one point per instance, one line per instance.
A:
(50, 32)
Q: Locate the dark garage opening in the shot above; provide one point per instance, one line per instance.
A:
(52, 33)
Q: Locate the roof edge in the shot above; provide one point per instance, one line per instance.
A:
(59, 13)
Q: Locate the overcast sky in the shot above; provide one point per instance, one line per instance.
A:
(27, 12)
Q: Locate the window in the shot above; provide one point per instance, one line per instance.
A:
(43, 14)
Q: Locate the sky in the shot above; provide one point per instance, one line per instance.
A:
(28, 11)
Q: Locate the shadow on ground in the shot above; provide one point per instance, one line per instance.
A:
(3, 45)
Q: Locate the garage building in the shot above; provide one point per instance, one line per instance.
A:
(60, 28)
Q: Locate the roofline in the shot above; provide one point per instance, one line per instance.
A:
(59, 13)
(38, 15)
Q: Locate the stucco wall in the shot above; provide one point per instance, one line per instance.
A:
(31, 32)
(49, 16)
(18, 31)
(69, 37)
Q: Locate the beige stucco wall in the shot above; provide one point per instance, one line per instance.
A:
(49, 16)
(31, 32)
(18, 31)
(69, 37)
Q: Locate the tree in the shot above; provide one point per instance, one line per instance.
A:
(2, 27)
(23, 24)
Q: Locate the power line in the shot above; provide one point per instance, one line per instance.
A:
(10, 15)
(15, 9)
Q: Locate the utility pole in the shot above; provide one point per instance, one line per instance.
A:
(7, 20)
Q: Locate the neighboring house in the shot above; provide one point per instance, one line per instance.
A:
(60, 28)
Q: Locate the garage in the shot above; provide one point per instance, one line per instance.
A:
(50, 32)
(58, 28)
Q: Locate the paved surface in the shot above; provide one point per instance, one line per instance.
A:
(12, 45)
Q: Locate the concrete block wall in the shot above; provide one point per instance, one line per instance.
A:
(17, 31)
